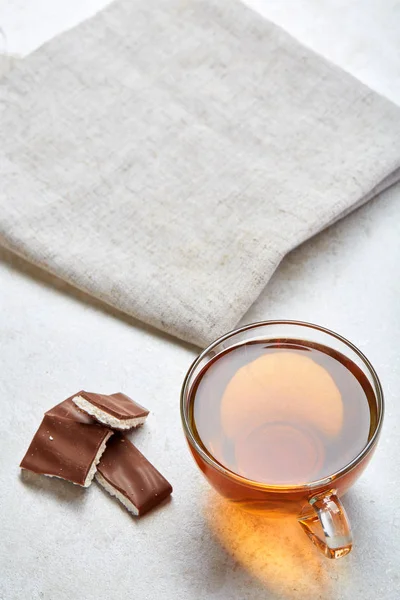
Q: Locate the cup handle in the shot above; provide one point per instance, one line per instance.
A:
(325, 522)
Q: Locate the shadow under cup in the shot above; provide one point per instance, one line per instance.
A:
(316, 503)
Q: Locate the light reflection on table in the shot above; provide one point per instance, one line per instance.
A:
(274, 549)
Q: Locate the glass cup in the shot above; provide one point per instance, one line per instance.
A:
(316, 503)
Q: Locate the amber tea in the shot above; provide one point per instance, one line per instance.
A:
(282, 412)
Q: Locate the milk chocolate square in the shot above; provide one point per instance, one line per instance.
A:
(126, 474)
(116, 410)
(68, 445)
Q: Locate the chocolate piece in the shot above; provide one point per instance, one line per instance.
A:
(117, 410)
(126, 474)
(68, 410)
(66, 447)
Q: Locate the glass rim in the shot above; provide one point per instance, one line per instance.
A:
(280, 487)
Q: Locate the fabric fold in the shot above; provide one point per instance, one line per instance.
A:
(165, 156)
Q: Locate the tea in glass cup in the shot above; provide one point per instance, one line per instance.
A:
(283, 416)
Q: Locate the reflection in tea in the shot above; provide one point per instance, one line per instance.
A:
(282, 412)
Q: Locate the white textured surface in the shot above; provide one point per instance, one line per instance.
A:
(60, 542)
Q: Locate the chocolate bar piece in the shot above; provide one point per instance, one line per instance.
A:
(67, 409)
(66, 445)
(117, 410)
(126, 474)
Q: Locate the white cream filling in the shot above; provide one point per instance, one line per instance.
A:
(117, 494)
(93, 467)
(48, 475)
(104, 417)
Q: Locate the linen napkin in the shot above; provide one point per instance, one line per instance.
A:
(7, 61)
(165, 155)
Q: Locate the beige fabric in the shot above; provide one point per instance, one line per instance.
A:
(165, 155)
(7, 62)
